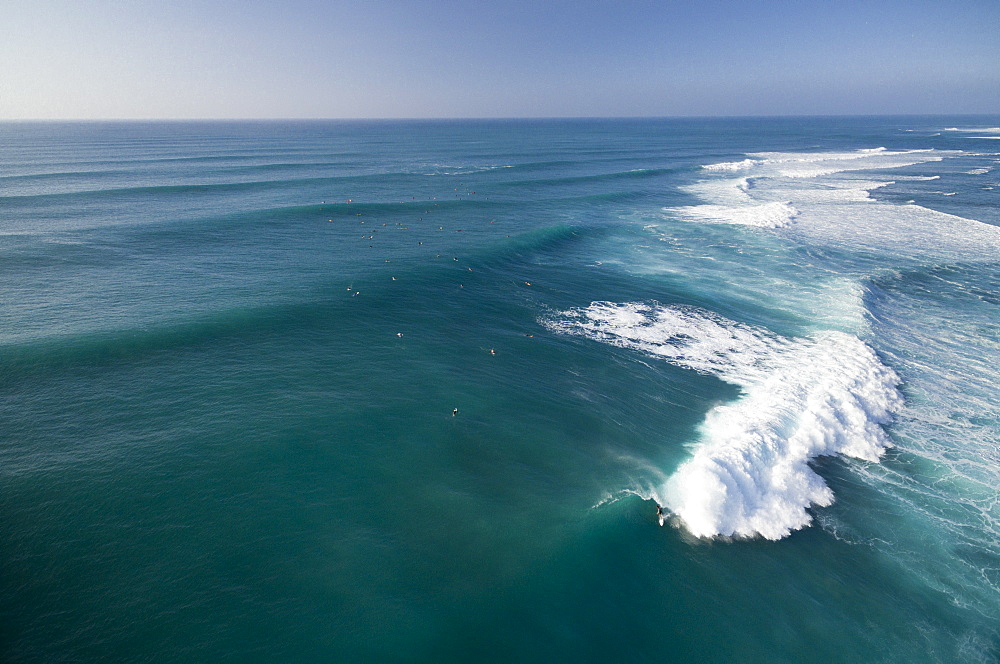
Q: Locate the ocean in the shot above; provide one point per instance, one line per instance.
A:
(411, 391)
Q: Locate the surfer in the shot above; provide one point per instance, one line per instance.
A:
(659, 514)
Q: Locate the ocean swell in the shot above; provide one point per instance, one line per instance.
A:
(749, 475)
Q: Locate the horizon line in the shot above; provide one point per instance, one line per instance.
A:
(499, 118)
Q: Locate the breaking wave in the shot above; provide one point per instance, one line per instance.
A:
(980, 130)
(749, 475)
(815, 198)
(732, 165)
(813, 164)
(764, 215)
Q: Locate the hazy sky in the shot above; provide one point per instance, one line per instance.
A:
(495, 58)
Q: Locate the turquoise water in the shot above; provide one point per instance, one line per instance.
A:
(230, 354)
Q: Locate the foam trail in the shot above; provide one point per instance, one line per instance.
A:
(810, 197)
(732, 165)
(749, 476)
(816, 164)
(980, 130)
(813, 164)
(765, 215)
(739, 201)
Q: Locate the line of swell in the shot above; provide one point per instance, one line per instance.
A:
(221, 188)
(640, 173)
(94, 170)
(399, 179)
(32, 177)
(317, 305)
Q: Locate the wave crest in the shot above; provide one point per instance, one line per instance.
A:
(732, 165)
(749, 475)
(775, 214)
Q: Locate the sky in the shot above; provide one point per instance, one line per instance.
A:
(187, 59)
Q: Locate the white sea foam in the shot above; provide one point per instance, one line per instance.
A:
(752, 475)
(803, 398)
(732, 165)
(764, 215)
(688, 337)
(816, 164)
(978, 171)
(813, 197)
(810, 164)
(728, 191)
(744, 201)
(976, 130)
(749, 474)
(909, 231)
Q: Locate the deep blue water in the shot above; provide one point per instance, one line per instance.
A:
(231, 356)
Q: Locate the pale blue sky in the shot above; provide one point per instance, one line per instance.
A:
(502, 58)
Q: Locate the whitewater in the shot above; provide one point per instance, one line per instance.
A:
(751, 472)
(802, 399)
